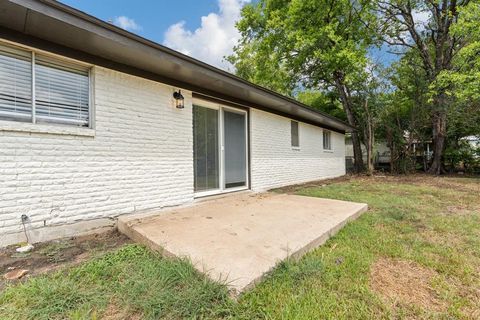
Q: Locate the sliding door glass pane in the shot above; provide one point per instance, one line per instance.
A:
(205, 148)
(235, 149)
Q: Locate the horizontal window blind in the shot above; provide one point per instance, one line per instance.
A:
(15, 84)
(295, 141)
(61, 92)
(327, 142)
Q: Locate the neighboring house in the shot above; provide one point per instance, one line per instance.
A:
(473, 141)
(96, 122)
(422, 151)
(349, 159)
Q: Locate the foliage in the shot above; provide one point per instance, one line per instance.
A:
(318, 51)
(287, 43)
(463, 154)
(433, 83)
(296, 45)
(434, 42)
(325, 102)
(404, 117)
(463, 80)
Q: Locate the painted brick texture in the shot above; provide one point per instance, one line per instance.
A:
(275, 163)
(140, 158)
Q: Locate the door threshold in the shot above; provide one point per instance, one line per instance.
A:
(220, 194)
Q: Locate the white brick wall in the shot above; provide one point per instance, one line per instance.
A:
(140, 158)
(275, 163)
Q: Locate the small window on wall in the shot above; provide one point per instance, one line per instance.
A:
(295, 141)
(327, 140)
(38, 88)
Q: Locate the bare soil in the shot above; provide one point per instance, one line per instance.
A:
(294, 188)
(54, 255)
(114, 312)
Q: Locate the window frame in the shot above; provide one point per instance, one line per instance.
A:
(295, 147)
(327, 133)
(67, 62)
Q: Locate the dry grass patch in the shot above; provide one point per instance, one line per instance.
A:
(470, 310)
(405, 282)
(114, 312)
(458, 210)
(444, 239)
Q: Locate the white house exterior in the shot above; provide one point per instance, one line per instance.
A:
(275, 163)
(82, 142)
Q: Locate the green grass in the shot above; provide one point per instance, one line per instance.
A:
(132, 280)
(432, 222)
(400, 225)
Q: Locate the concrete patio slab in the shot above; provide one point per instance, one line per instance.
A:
(239, 238)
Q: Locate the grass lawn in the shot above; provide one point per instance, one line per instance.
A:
(414, 254)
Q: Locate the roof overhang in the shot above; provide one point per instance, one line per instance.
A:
(52, 26)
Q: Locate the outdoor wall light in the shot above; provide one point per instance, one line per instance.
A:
(179, 99)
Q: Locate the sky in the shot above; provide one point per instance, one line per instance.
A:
(203, 29)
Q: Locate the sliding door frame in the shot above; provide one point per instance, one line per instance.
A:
(222, 139)
(221, 148)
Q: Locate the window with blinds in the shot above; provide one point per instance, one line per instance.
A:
(295, 140)
(15, 84)
(52, 91)
(61, 92)
(327, 140)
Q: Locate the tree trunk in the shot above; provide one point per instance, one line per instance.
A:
(439, 125)
(389, 138)
(369, 139)
(357, 153)
(347, 107)
(370, 166)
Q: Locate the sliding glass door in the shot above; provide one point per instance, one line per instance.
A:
(235, 148)
(205, 148)
(219, 148)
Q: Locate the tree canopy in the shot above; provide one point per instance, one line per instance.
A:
(319, 51)
(292, 45)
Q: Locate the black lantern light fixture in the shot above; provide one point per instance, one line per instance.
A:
(179, 99)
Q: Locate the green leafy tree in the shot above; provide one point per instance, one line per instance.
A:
(371, 95)
(436, 46)
(404, 118)
(318, 45)
(326, 102)
(462, 81)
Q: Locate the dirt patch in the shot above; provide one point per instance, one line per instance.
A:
(449, 239)
(471, 292)
(463, 184)
(114, 312)
(461, 210)
(318, 183)
(53, 255)
(458, 184)
(405, 282)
